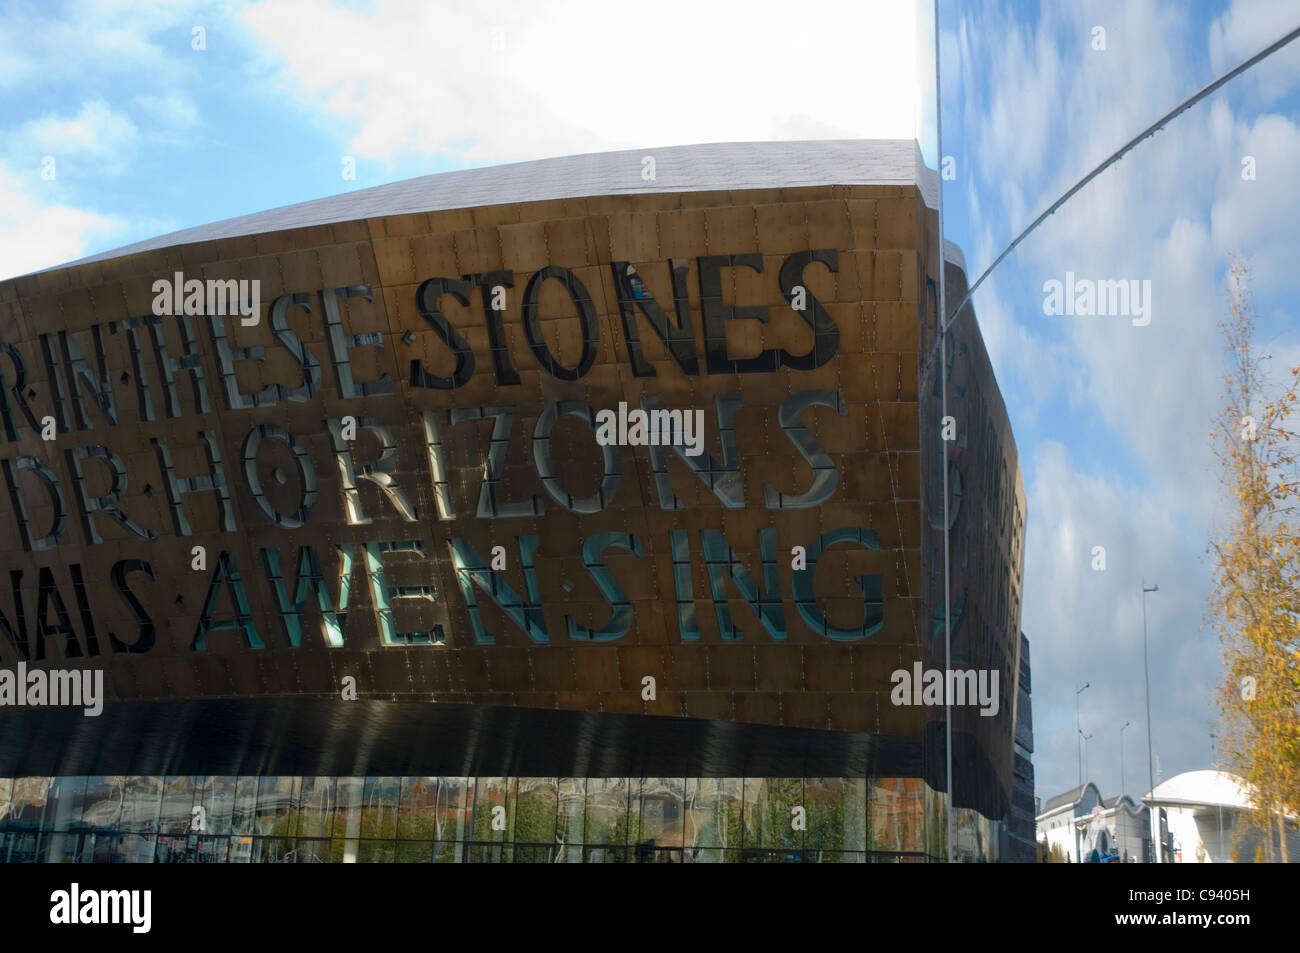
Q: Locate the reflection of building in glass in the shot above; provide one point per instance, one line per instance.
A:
(356, 558)
(1022, 837)
(320, 820)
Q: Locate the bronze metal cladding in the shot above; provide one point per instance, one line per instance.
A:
(391, 472)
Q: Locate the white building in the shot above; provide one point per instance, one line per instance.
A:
(1080, 822)
(1208, 815)
(1122, 828)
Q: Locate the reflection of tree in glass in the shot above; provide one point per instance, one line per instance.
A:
(612, 831)
(489, 795)
(535, 809)
(771, 817)
(715, 808)
(836, 817)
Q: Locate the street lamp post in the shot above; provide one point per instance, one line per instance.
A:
(1122, 786)
(1121, 825)
(1078, 745)
(1086, 738)
(1151, 770)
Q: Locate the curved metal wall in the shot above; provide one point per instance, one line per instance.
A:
(392, 468)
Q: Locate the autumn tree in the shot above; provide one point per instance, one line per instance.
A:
(1255, 558)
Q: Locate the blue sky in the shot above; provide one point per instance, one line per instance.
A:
(1111, 419)
(149, 134)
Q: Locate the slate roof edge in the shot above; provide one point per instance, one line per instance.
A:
(725, 166)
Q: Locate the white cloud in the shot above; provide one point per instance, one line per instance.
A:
(499, 81)
(1024, 80)
(16, 62)
(97, 133)
(1136, 379)
(103, 45)
(1257, 218)
(100, 38)
(167, 114)
(1249, 26)
(103, 136)
(1086, 626)
(1167, 213)
(36, 234)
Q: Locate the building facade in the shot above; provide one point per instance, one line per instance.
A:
(1212, 820)
(1081, 826)
(1023, 839)
(583, 509)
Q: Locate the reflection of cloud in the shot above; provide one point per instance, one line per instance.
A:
(1019, 117)
(1247, 27)
(1257, 218)
(1137, 379)
(1132, 404)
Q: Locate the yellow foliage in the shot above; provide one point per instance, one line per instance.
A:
(1255, 602)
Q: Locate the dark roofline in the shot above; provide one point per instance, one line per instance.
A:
(1072, 796)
